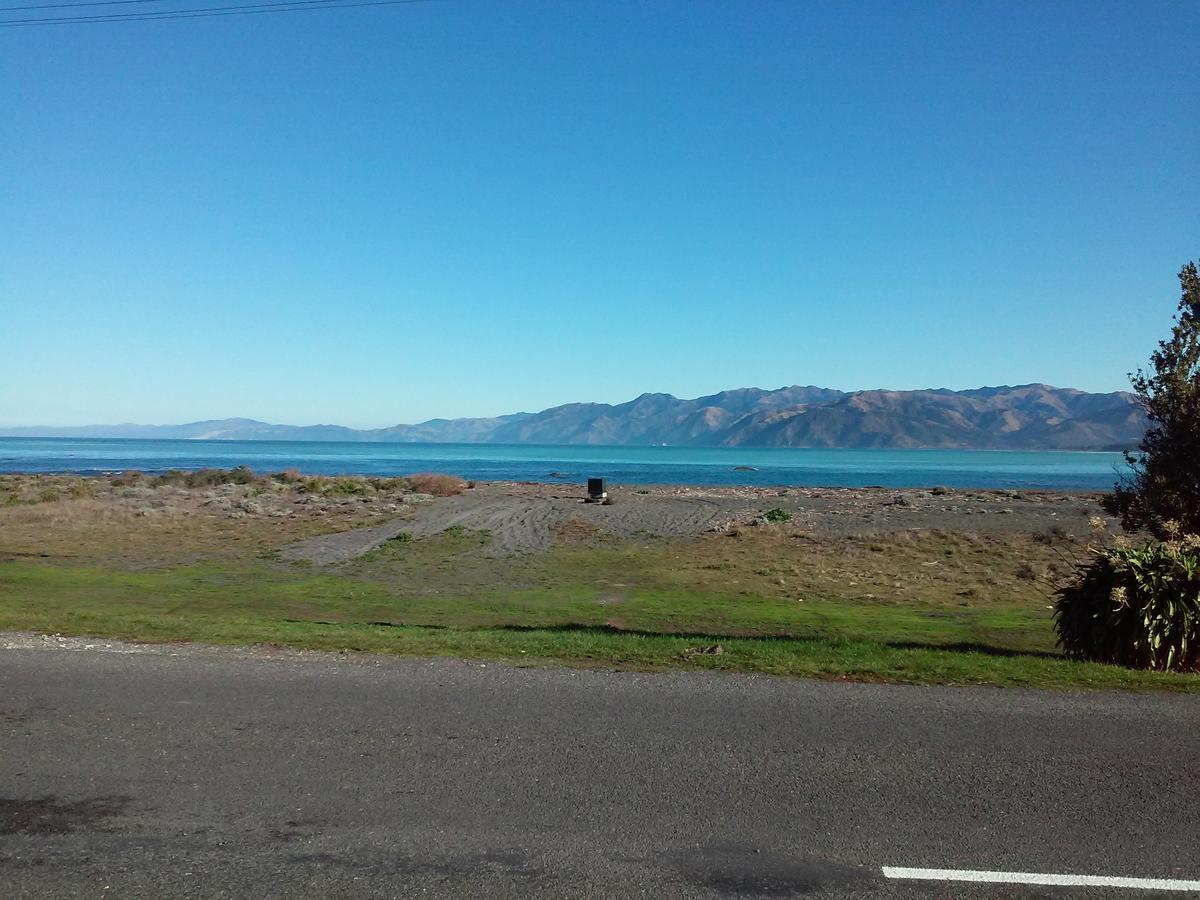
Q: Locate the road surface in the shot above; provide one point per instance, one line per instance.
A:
(196, 772)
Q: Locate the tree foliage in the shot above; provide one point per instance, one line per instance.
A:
(1162, 491)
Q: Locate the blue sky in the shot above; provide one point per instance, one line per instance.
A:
(379, 215)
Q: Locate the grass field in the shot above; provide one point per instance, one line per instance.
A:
(921, 607)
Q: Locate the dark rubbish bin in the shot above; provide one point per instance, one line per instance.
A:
(596, 490)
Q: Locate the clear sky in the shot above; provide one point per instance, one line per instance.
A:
(378, 215)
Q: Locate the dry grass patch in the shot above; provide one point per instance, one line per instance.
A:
(436, 484)
(955, 569)
(575, 531)
(135, 520)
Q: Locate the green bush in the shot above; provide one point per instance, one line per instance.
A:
(173, 477)
(777, 515)
(1135, 606)
(347, 487)
(388, 485)
(207, 478)
(243, 475)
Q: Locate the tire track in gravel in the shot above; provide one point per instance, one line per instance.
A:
(523, 520)
(523, 517)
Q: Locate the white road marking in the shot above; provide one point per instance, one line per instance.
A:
(1144, 884)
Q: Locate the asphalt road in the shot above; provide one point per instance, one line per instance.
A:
(214, 773)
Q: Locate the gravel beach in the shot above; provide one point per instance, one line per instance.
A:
(524, 517)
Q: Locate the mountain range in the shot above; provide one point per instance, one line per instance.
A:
(1025, 417)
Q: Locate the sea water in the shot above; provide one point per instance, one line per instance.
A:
(561, 463)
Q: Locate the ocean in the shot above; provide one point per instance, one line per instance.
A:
(1059, 470)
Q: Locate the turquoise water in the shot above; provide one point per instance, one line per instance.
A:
(629, 465)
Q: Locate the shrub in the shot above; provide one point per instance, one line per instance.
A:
(1135, 606)
(346, 486)
(437, 484)
(777, 515)
(1026, 572)
(243, 475)
(203, 478)
(199, 478)
(82, 489)
(384, 485)
(206, 478)
(1054, 535)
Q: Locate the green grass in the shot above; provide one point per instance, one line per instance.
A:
(266, 603)
(922, 607)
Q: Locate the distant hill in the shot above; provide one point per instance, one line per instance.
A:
(1026, 417)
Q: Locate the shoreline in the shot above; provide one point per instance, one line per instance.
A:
(710, 467)
(569, 482)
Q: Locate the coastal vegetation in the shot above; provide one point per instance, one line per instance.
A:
(140, 558)
(436, 485)
(1135, 606)
(1163, 484)
(1140, 606)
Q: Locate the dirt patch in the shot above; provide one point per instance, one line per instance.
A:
(49, 815)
